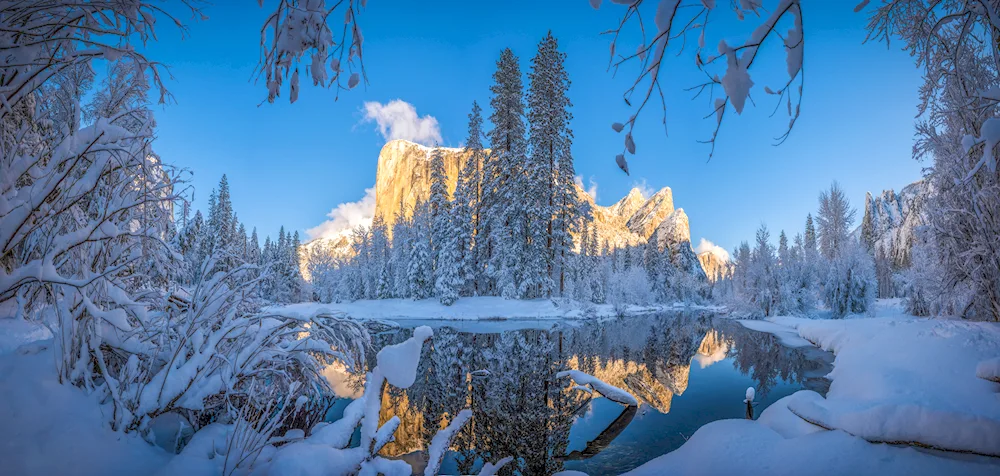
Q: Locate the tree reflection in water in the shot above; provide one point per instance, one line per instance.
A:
(521, 409)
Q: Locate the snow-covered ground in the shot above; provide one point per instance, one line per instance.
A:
(473, 308)
(911, 382)
(50, 428)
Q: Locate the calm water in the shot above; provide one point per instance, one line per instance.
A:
(686, 369)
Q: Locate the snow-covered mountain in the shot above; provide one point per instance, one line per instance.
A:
(403, 179)
(895, 217)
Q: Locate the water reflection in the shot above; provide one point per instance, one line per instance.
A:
(519, 408)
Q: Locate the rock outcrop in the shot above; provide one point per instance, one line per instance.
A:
(895, 218)
(404, 176)
(714, 266)
(673, 235)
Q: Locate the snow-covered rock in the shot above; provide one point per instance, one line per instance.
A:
(895, 217)
(674, 234)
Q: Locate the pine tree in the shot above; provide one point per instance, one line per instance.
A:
(254, 252)
(504, 188)
(557, 211)
(440, 207)
(420, 273)
(465, 209)
(448, 281)
(784, 258)
(810, 237)
(296, 283)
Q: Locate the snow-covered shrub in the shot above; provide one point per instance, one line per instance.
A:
(629, 287)
(850, 286)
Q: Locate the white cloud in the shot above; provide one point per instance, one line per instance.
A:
(716, 250)
(591, 187)
(644, 188)
(346, 216)
(398, 119)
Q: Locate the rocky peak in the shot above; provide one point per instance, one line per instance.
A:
(895, 217)
(673, 235)
(650, 214)
(629, 204)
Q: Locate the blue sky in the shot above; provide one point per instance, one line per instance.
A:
(290, 164)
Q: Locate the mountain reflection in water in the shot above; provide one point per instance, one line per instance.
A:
(686, 369)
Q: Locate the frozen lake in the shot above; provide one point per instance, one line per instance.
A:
(686, 369)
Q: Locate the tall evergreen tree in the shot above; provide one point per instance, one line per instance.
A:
(465, 209)
(440, 207)
(420, 272)
(556, 210)
(784, 256)
(504, 187)
(810, 237)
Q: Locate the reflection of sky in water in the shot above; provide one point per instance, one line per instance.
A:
(686, 370)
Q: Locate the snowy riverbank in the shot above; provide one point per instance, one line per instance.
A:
(902, 380)
(476, 308)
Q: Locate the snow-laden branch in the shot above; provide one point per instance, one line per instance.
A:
(676, 20)
(297, 29)
(609, 391)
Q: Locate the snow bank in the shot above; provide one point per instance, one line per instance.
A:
(49, 428)
(610, 392)
(472, 308)
(786, 335)
(748, 447)
(17, 332)
(907, 380)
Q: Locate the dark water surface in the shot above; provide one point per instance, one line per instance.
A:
(686, 369)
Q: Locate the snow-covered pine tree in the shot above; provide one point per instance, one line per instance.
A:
(402, 248)
(809, 242)
(254, 252)
(296, 283)
(504, 189)
(465, 207)
(420, 273)
(834, 219)
(784, 256)
(379, 262)
(440, 207)
(556, 211)
(448, 280)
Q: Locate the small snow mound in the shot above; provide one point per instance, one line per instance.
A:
(751, 393)
(398, 363)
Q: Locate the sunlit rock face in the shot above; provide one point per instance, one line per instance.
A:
(674, 235)
(715, 268)
(404, 176)
(651, 213)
